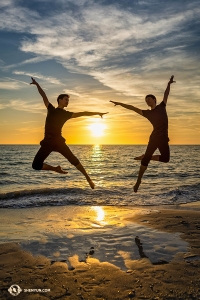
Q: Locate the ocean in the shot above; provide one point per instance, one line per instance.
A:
(111, 167)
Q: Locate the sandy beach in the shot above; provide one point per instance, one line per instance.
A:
(100, 253)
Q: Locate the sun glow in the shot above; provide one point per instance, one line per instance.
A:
(97, 129)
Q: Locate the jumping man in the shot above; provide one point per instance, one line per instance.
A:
(159, 136)
(53, 140)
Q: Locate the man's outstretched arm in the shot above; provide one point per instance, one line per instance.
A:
(40, 90)
(166, 94)
(87, 114)
(131, 107)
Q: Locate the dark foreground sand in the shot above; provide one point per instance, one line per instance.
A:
(91, 279)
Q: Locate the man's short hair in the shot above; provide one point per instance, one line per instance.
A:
(152, 96)
(61, 96)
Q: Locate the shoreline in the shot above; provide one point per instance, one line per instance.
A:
(160, 233)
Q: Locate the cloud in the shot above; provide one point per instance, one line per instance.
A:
(120, 48)
(27, 61)
(84, 37)
(6, 3)
(87, 42)
(15, 18)
(19, 81)
(114, 51)
(29, 130)
(39, 76)
(3, 105)
(72, 93)
(9, 85)
(23, 105)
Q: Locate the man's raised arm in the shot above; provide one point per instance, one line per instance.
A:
(166, 94)
(131, 107)
(40, 90)
(87, 113)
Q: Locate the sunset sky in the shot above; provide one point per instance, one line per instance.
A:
(97, 50)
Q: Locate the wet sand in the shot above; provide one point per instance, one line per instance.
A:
(101, 253)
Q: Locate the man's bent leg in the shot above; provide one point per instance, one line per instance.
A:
(38, 162)
(41, 155)
(152, 146)
(164, 151)
(57, 169)
(155, 157)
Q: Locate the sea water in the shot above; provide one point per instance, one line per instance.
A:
(111, 167)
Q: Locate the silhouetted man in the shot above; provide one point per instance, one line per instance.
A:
(159, 136)
(53, 140)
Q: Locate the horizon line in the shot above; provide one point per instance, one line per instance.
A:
(102, 144)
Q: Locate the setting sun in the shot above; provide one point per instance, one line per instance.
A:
(97, 129)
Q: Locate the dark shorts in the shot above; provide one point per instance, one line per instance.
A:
(162, 144)
(48, 146)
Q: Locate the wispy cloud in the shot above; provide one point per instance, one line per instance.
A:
(39, 76)
(72, 93)
(3, 105)
(9, 85)
(118, 52)
(12, 79)
(29, 130)
(22, 105)
(25, 62)
(104, 50)
(5, 3)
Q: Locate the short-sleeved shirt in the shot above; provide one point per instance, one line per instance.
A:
(159, 120)
(56, 118)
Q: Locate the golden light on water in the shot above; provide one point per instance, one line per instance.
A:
(96, 152)
(96, 148)
(100, 213)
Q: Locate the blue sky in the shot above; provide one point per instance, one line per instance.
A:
(97, 51)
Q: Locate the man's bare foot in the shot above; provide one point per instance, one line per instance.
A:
(91, 183)
(136, 186)
(58, 169)
(139, 157)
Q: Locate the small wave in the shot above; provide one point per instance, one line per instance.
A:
(183, 194)
(4, 174)
(114, 195)
(62, 196)
(33, 192)
(133, 175)
(7, 182)
(58, 191)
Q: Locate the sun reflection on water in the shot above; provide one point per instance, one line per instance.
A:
(97, 163)
(100, 213)
(96, 152)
